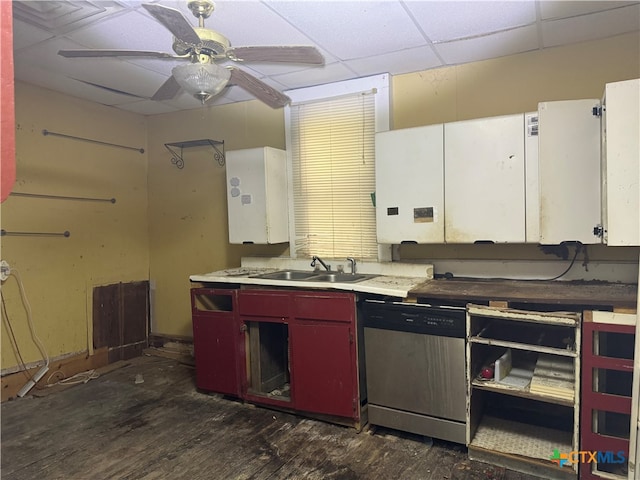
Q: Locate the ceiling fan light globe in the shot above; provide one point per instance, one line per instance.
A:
(202, 80)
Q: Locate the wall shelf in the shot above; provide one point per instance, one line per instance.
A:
(177, 156)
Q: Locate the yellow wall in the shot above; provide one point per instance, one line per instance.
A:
(168, 223)
(188, 208)
(515, 83)
(108, 242)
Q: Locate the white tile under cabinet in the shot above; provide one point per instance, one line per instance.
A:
(257, 195)
(484, 180)
(620, 163)
(410, 185)
(569, 171)
(520, 421)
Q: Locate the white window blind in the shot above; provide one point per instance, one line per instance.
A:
(333, 177)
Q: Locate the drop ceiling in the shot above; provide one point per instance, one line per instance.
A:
(357, 39)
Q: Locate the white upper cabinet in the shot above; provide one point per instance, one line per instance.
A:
(257, 195)
(485, 180)
(569, 171)
(409, 185)
(620, 159)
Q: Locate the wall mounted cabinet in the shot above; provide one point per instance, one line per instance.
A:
(484, 180)
(410, 185)
(569, 168)
(620, 163)
(257, 195)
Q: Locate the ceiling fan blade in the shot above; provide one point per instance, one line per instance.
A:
(258, 88)
(115, 53)
(286, 54)
(168, 90)
(174, 21)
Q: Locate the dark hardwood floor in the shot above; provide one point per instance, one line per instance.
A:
(163, 428)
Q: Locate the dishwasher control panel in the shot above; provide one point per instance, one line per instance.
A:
(416, 318)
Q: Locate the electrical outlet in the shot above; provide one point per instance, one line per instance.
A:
(5, 270)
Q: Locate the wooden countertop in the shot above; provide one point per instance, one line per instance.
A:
(615, 295)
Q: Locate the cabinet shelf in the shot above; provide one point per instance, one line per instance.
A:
(523, 346)
(568, 319)
(510, 443)
(517, 438)
(492, 386)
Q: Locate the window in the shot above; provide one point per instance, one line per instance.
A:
(330, 146)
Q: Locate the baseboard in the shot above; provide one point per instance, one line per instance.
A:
(58, 369)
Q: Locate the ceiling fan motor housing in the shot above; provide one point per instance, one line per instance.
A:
(211, 43)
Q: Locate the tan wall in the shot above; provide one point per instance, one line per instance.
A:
(188, 207)
(108, 242)
(515, 83)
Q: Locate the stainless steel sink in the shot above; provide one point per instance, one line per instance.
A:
(330, 277)
(340, 277)
(288, 275)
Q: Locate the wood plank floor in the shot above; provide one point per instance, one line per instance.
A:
(163, 428)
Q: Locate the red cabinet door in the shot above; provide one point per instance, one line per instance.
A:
(217, 340)
(324, 368)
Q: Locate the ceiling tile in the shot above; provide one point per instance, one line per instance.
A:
(25, 35)
(403, 61)
(447, 20)
(353, 29)
(59, 16)
(129, 31)
(253, 23)
(108, 72)
(279, 69)
(489, 46)
(61, 83)
(563, 8)
(592, 26)
(335, 72)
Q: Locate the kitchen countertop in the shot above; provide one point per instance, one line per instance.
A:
(594, 293)
(394, 286)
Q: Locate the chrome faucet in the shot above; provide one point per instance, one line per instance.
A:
(315, 259)
(353, 265)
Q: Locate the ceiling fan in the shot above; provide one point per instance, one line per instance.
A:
(203, 48)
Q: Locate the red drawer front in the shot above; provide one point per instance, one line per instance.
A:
(213, 301)
(334, 307)
(264, 303)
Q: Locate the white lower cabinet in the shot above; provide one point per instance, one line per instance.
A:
(523, 378)
(484, 180)
(409, 185)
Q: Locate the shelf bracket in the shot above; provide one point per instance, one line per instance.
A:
(177, 158)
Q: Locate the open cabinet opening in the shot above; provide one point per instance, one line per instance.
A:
(268, 360)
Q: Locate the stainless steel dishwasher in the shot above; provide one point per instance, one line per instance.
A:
(415, 367)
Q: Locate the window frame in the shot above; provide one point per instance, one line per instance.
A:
(382, 106)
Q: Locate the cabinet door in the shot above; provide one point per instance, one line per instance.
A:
(484, 176)
(410, 185)
(257, 196)
(324, 368)
(569, 156)
(621, 124)
(217, 341)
